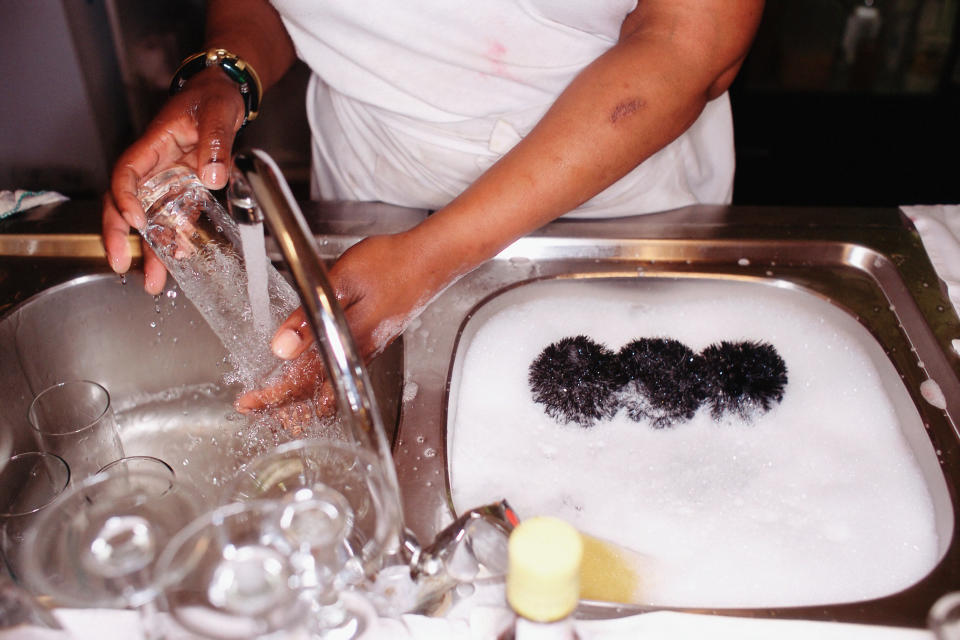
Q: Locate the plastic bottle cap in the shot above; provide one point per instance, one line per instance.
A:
(543, 581)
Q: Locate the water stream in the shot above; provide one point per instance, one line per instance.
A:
(255, 257)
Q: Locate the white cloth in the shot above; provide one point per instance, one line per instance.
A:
(411, 101)
(12, 202)
(485, 622)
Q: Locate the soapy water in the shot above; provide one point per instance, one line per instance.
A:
(820, 500)
(197, 432)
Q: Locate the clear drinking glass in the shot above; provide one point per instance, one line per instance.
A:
(74, 420)
(99, 544)
(29, 483)
(338, 519)
(208, 255)
(226, 579)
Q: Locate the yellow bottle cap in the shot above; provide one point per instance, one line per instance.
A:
(543, 581)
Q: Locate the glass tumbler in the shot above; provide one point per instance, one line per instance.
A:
(28, 485)
(221, 267)
(74, 420)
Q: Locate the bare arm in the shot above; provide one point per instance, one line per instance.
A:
(672, 57)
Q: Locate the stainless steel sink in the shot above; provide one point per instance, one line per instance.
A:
(64, 315)
(161, 363)
(867, 265)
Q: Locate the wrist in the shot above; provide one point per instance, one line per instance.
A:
(232, 67)
(439, 257)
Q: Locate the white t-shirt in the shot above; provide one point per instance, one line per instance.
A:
(411, 100)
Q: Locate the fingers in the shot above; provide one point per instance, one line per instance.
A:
(165, 143)
(217, 124)
(325, 401)
(115, 233)
(298, 380)
(154, 273)
(292, 337)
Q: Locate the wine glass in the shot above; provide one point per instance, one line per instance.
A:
(98, 545)
(226, 579)
(337, 521)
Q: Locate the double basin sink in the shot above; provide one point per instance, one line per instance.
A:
(64, 315)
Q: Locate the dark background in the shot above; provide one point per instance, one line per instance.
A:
(850, 103)
(840, 102)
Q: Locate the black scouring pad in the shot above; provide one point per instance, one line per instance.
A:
(574, 379)
(742, 378)
(662, 381)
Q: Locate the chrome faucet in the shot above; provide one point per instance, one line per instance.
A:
(258, 192)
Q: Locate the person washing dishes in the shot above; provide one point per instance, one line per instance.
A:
(499, 115)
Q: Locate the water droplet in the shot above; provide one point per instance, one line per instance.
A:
(429, 452)
(420, 439)
(743, 262)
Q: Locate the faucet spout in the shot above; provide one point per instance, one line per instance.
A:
(258, 191)
(241, 203)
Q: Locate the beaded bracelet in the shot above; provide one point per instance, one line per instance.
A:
(236, 69)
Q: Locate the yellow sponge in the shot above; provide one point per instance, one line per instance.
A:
(609, 572)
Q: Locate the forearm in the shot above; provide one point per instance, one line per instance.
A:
(632, 101)
(251, 29)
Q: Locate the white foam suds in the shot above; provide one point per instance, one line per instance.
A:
(820, 500)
